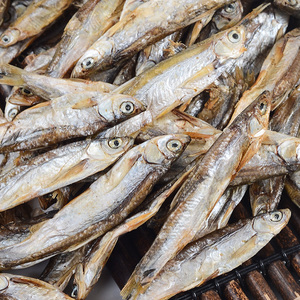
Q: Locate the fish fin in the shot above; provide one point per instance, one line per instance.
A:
(86, 103)
(11, 75)
(253, 148)
(37, 226)
(245, 248)
(189, 83)
(72, 171)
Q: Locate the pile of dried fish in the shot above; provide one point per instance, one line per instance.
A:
(126, 113)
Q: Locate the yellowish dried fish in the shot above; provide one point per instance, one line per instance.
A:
(3, 8)
(38, 15)
(27, 288)
(91, 21)
(106, 203)
(148, 23)
(215, 254)
(66, 117)
(197, 197)
(58, 168)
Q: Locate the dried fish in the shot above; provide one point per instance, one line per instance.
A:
(66, 117)
(58, 168)
(198, 195)
(215, 254)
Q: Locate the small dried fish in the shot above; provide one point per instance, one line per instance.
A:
(196, 198)
(47, 87)
(58, 168)
(66, 117)
(215, 254)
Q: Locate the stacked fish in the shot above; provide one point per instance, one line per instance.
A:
(125, 113)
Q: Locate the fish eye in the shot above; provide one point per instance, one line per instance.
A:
(25, 92)
(87, 63)
(234, 36)
(3, 283)
(12, 113)
(74, 292)
(292, 2)
(276, 216)
(263, 106)
(229, 8)
(5, 39)
(174, 145)
(127, 107)
(115, 143)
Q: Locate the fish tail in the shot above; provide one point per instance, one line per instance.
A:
(11, 75)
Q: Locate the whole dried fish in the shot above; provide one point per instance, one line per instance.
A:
(58, 168)
(196, 198)
(66, 117)
(46, 87)
(215, 254)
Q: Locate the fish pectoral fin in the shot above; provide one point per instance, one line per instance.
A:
(250, 244)
(189, 83)
(37, 226)
(86, 103)
(77, 169)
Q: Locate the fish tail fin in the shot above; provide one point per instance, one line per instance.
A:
(11, 75)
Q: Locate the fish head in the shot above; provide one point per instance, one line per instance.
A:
(228, 14)
(9, 37)
(4, 282)
(258, 113)
(165, 149)
(271, 222)
(89, 62)
(125, 107)
(108, 148)
(231, 44)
